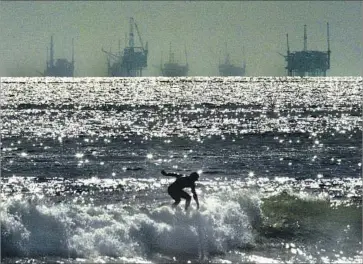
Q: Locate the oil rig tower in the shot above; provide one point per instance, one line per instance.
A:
(307, 62)
(228, 69)
(60, 67)
(131, 61)
(172, 69)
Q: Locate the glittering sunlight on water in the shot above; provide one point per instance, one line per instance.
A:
(280, 161)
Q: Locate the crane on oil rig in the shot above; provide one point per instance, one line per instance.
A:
(132, 60)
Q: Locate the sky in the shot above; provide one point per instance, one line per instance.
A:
(251, 31)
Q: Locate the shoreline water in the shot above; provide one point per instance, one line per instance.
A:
(281, 161)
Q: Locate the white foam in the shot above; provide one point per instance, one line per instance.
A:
(87, 232)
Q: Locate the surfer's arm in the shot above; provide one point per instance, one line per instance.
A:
(195, 196)
(171, 174)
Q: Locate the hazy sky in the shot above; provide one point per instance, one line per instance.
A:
(202, 26)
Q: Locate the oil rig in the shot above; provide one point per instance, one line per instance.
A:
(172, 69)
(131, 61)
(228, 69)
(307, 62)
(61, 67)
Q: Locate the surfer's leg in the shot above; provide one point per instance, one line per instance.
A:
(175, 195)
(177, 200)
(175, 204)
(187, 199)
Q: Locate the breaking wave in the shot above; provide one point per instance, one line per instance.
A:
(227, 221)
(39, 229)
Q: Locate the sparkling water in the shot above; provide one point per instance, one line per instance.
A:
(280, 162)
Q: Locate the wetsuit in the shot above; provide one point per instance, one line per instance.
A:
(175, 189)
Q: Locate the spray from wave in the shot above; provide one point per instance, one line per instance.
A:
(228, 221)
(39, 229)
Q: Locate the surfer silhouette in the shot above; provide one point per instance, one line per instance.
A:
(175, 190)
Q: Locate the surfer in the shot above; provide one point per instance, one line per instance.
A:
(175, 189)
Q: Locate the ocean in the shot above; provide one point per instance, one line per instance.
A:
(280, 163)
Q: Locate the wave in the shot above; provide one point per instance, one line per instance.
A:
(291, 216)
(33, 229)
(227, 221)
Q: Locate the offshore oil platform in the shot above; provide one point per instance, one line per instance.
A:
(172, 68)
(61, 67)
(131, 61)
(228, 69)
(307, 62)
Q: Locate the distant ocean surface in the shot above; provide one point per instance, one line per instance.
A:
(281, 162)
